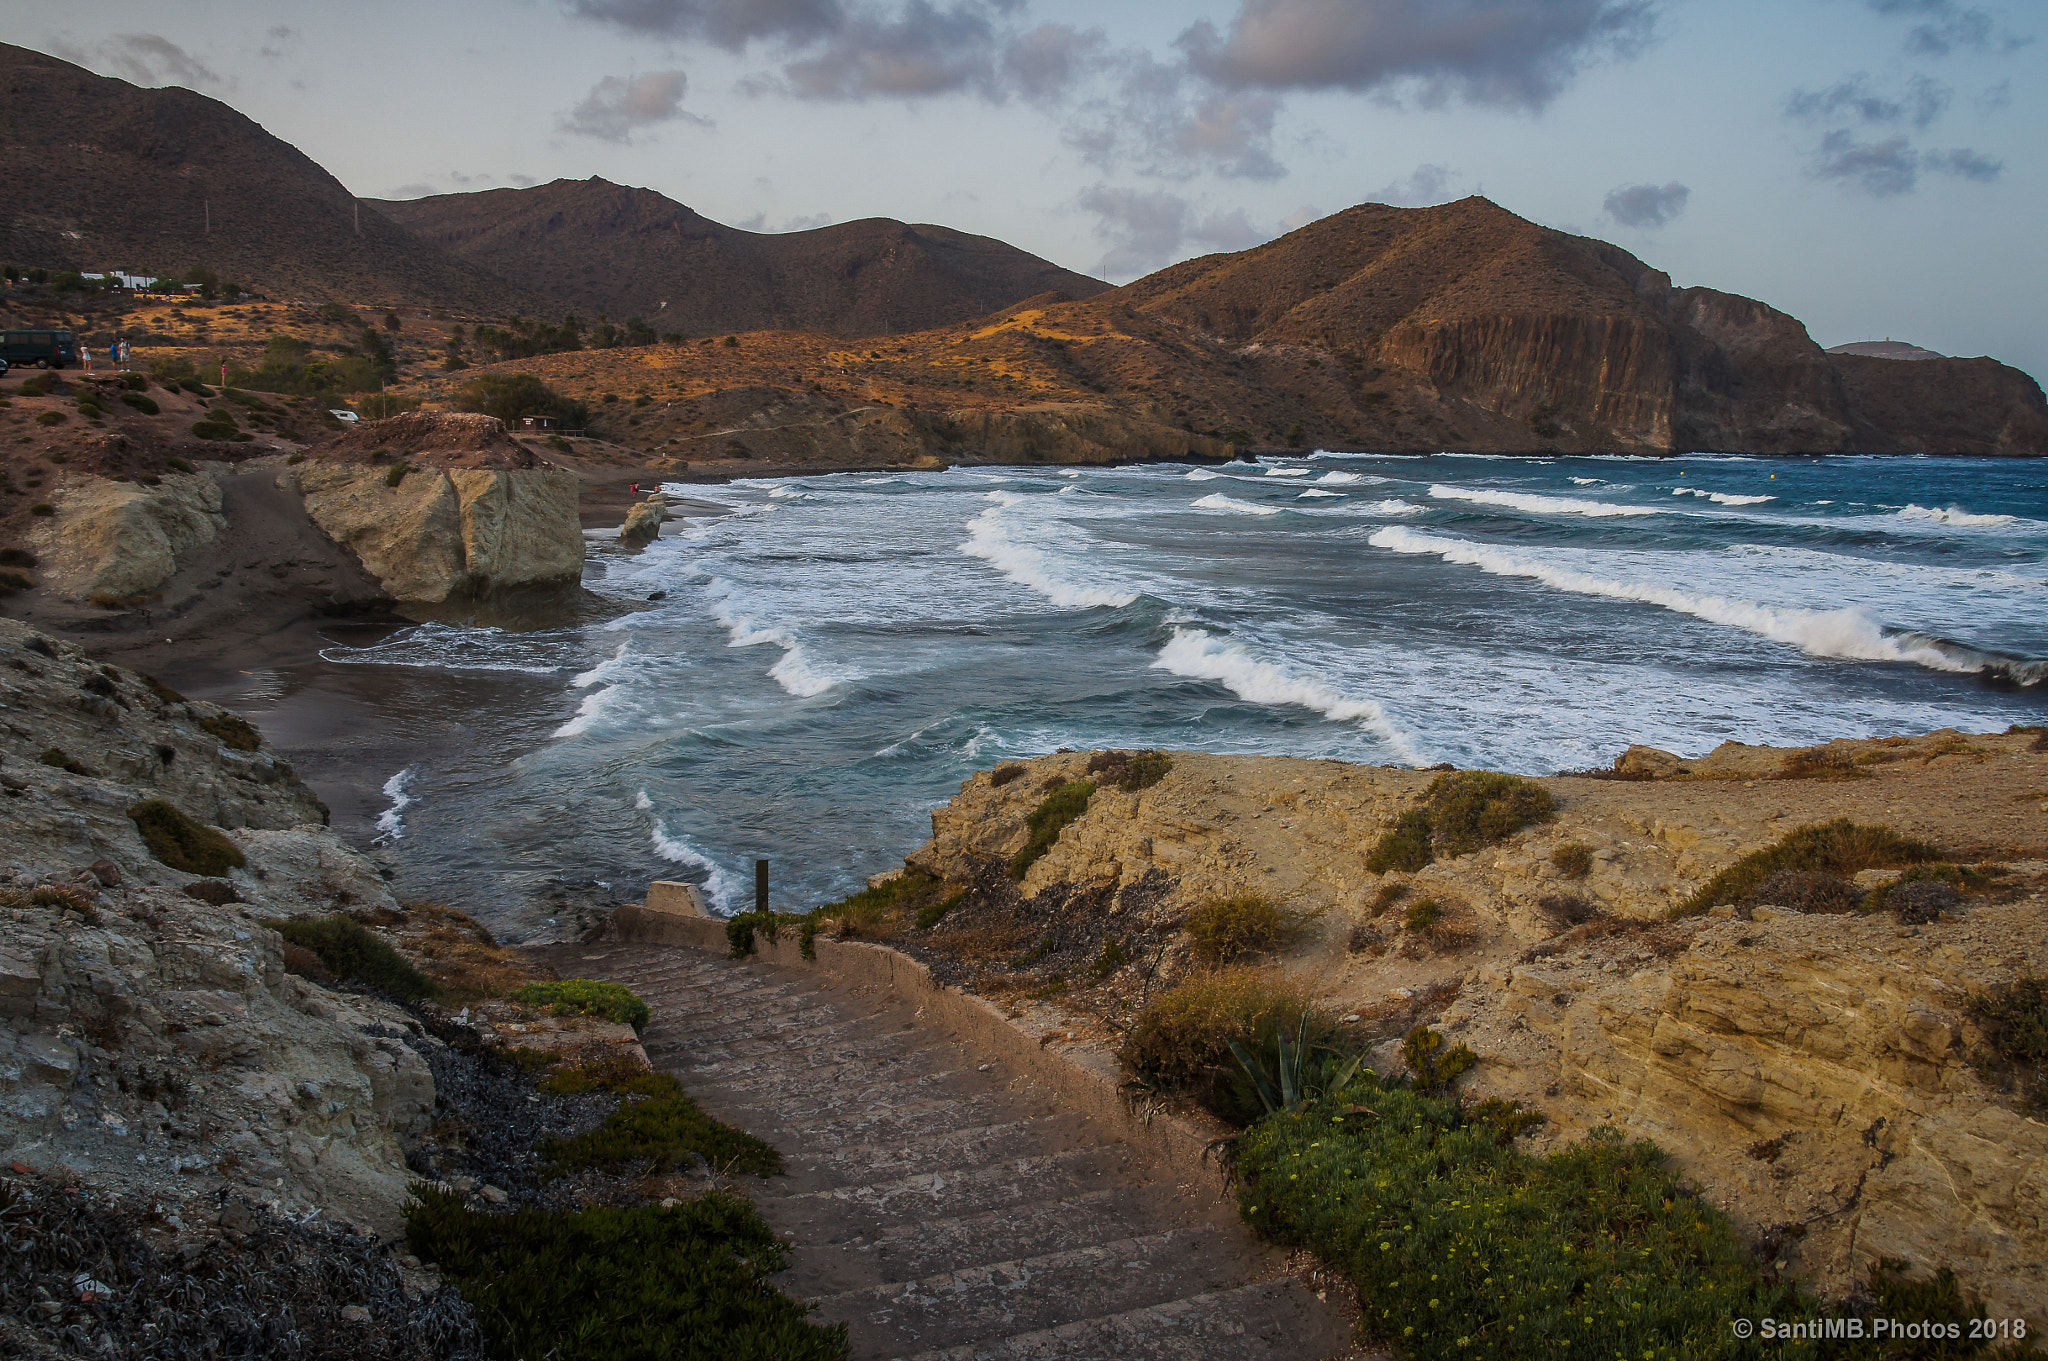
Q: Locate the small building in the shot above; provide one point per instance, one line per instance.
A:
(536, 422)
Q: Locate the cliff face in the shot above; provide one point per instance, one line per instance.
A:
(1819, 1076)
(123, 539)
(151, 1040)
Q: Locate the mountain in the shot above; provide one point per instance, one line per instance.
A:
(600, 248)
(1886, 349)
(101, 174)
(1460, 326)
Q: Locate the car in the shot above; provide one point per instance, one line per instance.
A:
(343, 414)
(43, 349)
(3, 367)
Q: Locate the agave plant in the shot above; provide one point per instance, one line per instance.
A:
(1294, 1077)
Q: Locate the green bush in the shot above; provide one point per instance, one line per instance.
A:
(509, 396)
(147, 406)
(689, 1282)
(1840, 847)
(2014, 1019)
(179, 465)
(63, 760)
(1573, 859)
(12, 583)
(42, 508)
(1406, 847)
(1049, 819)
(657, 1125)
(51, 418)
(1129, 771)
(179, 842)
(587, 997)
(379, 406)
(1181, 1041)
(233, 730)
(1469, 809)
(1228, 929)
(213, 429)
(397, 474)
(354, 953)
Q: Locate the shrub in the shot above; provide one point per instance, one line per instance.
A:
(1567, 909)
(1839, 847)
(12, 583)
(90, 409)
(42, 508)
(355, 954)
(159, 689)
(689, 1282)
(1469, 809)
(63, 760)
(17, 557)
(1460, 1244)
(1573, 859)
(2014, 1019)
(378, 406)
(232, 730)
(1049, 819)
(1432, 1067)
(213, 429)
(1227, 929)
(1002, 775)
(1406, 847)
(397, 474)
(587, 997)
(1181, 1041)
(929, 915)
(1389, 894)
(656, 1126)
(509, 396)
(179, 465)
(1820, 763)
(218, 892)
(147, 406)
(184, 845)
(1805, 891)
(1129, 772)
(1422, 914)
(51, 418)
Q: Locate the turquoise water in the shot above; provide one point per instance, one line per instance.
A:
(831, 658)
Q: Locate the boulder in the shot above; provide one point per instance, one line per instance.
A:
(123, 539)
(644, 521)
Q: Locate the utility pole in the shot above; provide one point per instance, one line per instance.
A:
(359, 215)
(207, 205)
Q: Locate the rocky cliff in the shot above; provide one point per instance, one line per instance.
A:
(151, 1040)
(1824, 1076)
(114, 540)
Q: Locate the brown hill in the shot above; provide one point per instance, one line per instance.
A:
(1402, 329)
(102, 174)
(597, 247)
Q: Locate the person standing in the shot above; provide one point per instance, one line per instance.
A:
(85, 357)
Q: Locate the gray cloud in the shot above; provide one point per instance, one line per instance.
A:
(1517, 54)
(1893, 166)
(1161, 120)
(619, 106)
(1425, 184)
(1920, 102)
(1147, 229)
(277, 41)
(1948, 25)
(921, 50)
(143, 59)
(1647, 206)
(728, 23)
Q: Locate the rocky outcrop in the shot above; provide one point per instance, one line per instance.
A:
(437, 536)
(150, 1040)
(117, 540)
(1817, 1075)
(643, 522)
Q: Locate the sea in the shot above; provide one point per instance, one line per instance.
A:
(806, 673)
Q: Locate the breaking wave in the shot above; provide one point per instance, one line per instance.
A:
(1851, 633)
(990, 538)
(721, 886)
(391, 822)
(1962, 519)
(1721, 498)
(1542, 505)
(1218, 501)
(1200, 655)
(795, 672)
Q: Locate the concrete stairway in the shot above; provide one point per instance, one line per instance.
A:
(944, 1208)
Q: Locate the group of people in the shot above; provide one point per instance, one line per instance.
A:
(121, 352)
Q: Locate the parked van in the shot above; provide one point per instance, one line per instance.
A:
(43, 349)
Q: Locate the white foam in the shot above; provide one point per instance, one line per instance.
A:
(1315, 491)
(795, 672)
(994, 538)
(1393, 505)
(1721, 498)
(1218, 501)
(879, 481)
(1588, 481)
(1288, 472)
(1542, 505)
(1851, 633)
(720, 884)
(1201, 655)
(1956, 516)
(1339, 477)
(1199, 476)
(391, 822)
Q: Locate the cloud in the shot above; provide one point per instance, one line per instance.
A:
(1301, 217)
(1162, 120)
(455, 181)
(1425, 184)
(1150, 228)
(1647, 206)
(921, 50)
(1515, 54)
(1919, 103)
(277, 41)
(728, 23)
(619, 106)
(1949, 25)
(1893, 166)
(142, 59)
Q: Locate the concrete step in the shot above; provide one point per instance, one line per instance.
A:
(967, 1146)
(1040, 1177)
(1277, 1320)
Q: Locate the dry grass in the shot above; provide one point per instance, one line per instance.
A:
(1181, 1042)
(459, 954)
(1226, 930)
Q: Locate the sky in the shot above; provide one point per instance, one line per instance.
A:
(1861, 164)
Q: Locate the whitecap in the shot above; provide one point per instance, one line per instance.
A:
(391, 822)
(1341, 477)
(1722, 498)
(1393, 505)
(721, 886)
(995, 539)
(1201, 655)
(1218, 501)
(1316, 491)
(1289, 472)
(795, 672)
(1588, 481)
(1199, 476)
(1954, 515)
(1851, 633)
(1542, 505)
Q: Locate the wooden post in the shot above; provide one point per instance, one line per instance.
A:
(760, 885)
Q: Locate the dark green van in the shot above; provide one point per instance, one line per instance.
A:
(43, 349)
